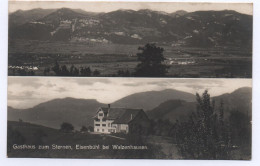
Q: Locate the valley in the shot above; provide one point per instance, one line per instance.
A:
(196, 44)
(110, 58)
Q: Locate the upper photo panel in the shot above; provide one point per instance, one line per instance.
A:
(130, 39)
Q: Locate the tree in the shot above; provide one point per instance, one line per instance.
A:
(64, 71)
(151, 58)
(221, 120)
(90, 128)
(66, 127)
(123, 73)
(84, 129)
(56, 68)
(241, 128)
(86, 71)
(46, 71)
(96, 72)
(201, 137)
(74, 71)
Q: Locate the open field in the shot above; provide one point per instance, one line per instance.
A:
(49, 137)
(110, 58)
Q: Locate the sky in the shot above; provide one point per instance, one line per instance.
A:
(26, 92)
(246, 8)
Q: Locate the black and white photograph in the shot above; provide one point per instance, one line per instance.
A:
(130, 39)
(129, 82)
(129, 118)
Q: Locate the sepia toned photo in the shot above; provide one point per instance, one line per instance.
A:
(130, 39)
(129, 80)
(129, 118)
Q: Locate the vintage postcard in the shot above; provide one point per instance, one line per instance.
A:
(129, 118)
(130, 80)
(114, 39)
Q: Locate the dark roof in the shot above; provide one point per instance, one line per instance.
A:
(121, 115)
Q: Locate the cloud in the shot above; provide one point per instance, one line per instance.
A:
(50, 85)
(61, 89)
(133, 84)
(25, 95)
(88, 81)
(26, 82)
(97, 89)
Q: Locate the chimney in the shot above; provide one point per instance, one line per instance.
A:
(131, 116)
(108, 105)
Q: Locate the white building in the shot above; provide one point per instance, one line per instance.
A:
(119, 120)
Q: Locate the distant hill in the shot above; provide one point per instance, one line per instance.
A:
(52, 113)
(62, 14)
(200, 28)
(166, 104)
(239, 100)
(151, 99)
(20, 17)
(172, 110)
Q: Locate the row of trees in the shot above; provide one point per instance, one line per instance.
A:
(68, 127)
(207, 133)
(151, 65)
(63, 70)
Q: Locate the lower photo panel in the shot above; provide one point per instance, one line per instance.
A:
(129, 118)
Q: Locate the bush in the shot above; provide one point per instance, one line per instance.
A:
(66, 127)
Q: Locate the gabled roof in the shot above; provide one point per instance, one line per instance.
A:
(121, 115)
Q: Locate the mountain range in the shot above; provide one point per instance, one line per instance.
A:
(200, 28)
(167, 104)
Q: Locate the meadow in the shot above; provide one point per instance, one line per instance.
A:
(40, 136)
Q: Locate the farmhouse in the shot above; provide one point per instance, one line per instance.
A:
(120, 120)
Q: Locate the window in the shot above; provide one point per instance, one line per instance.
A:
(100, 114)
(97, 129)
(97, 124)
(102, 130)
(108, 124)
(104, 125)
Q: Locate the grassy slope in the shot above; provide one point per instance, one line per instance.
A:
(54, 136)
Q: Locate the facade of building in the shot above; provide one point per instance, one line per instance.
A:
(119, 120)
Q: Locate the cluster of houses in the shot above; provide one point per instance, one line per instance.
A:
(120, 120)
(88, 22)
(24, 67)
(172, 61)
